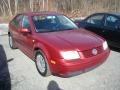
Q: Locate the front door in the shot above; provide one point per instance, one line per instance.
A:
(112, 32)
(95, 24)
(26, 38)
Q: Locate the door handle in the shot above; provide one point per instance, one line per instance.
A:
(103, 31)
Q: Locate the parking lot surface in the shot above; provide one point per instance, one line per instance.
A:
(24, 75)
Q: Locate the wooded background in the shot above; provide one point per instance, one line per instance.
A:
(73, 8)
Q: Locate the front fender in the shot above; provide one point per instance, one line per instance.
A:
(43, 49)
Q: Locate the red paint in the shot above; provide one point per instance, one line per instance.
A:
(52, 43)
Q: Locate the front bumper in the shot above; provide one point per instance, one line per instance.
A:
(73, 67)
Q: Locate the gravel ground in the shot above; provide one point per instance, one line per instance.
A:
(24, 75)
(3, 28)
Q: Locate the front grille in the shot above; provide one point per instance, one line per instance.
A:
(88, 53)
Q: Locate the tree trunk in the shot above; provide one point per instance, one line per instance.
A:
(31, 5)
(16, 6)
(9, 9)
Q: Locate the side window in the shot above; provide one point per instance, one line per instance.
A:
(16, 20)
(25, 22)
(111, 21)
(95, 20)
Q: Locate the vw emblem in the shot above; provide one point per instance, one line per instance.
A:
(94, 51)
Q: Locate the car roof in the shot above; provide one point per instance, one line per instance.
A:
(115, 13)
(111, 13)
(42, 13)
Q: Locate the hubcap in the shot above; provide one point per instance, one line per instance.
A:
(40, 63)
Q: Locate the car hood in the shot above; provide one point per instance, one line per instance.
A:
(72, 39)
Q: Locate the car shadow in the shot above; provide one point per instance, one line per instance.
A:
(5, 81)
(115, 49)
(53, 86)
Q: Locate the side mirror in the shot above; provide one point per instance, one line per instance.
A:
(25, 30)
(76, 23)
(117, 24)
(118, 27)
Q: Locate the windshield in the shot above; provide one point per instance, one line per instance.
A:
(49, 23)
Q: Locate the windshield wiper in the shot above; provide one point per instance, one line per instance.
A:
(69, 28)
(45, 30)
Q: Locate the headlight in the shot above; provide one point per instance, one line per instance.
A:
(105, 45)
(70, 55)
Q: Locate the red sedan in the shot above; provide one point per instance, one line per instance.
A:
(55, 43)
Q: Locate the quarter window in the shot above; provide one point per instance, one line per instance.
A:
(16, 20)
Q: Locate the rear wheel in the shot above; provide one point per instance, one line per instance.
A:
(42, 64)
(11, 42)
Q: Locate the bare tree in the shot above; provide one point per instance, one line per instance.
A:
(16, 6)
(70, 7)
(9, 9)
(31, 5)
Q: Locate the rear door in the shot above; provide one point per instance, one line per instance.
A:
(14, 28)
(95, 23)
(112, 30)
(26, 38)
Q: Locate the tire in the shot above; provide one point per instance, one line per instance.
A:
(42, 64)
(12, 43)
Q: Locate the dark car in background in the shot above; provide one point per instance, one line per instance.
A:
(106, 25)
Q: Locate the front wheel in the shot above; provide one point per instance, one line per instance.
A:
(41, 64)
(11, 43)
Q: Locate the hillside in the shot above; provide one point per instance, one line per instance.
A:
(72, 8)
